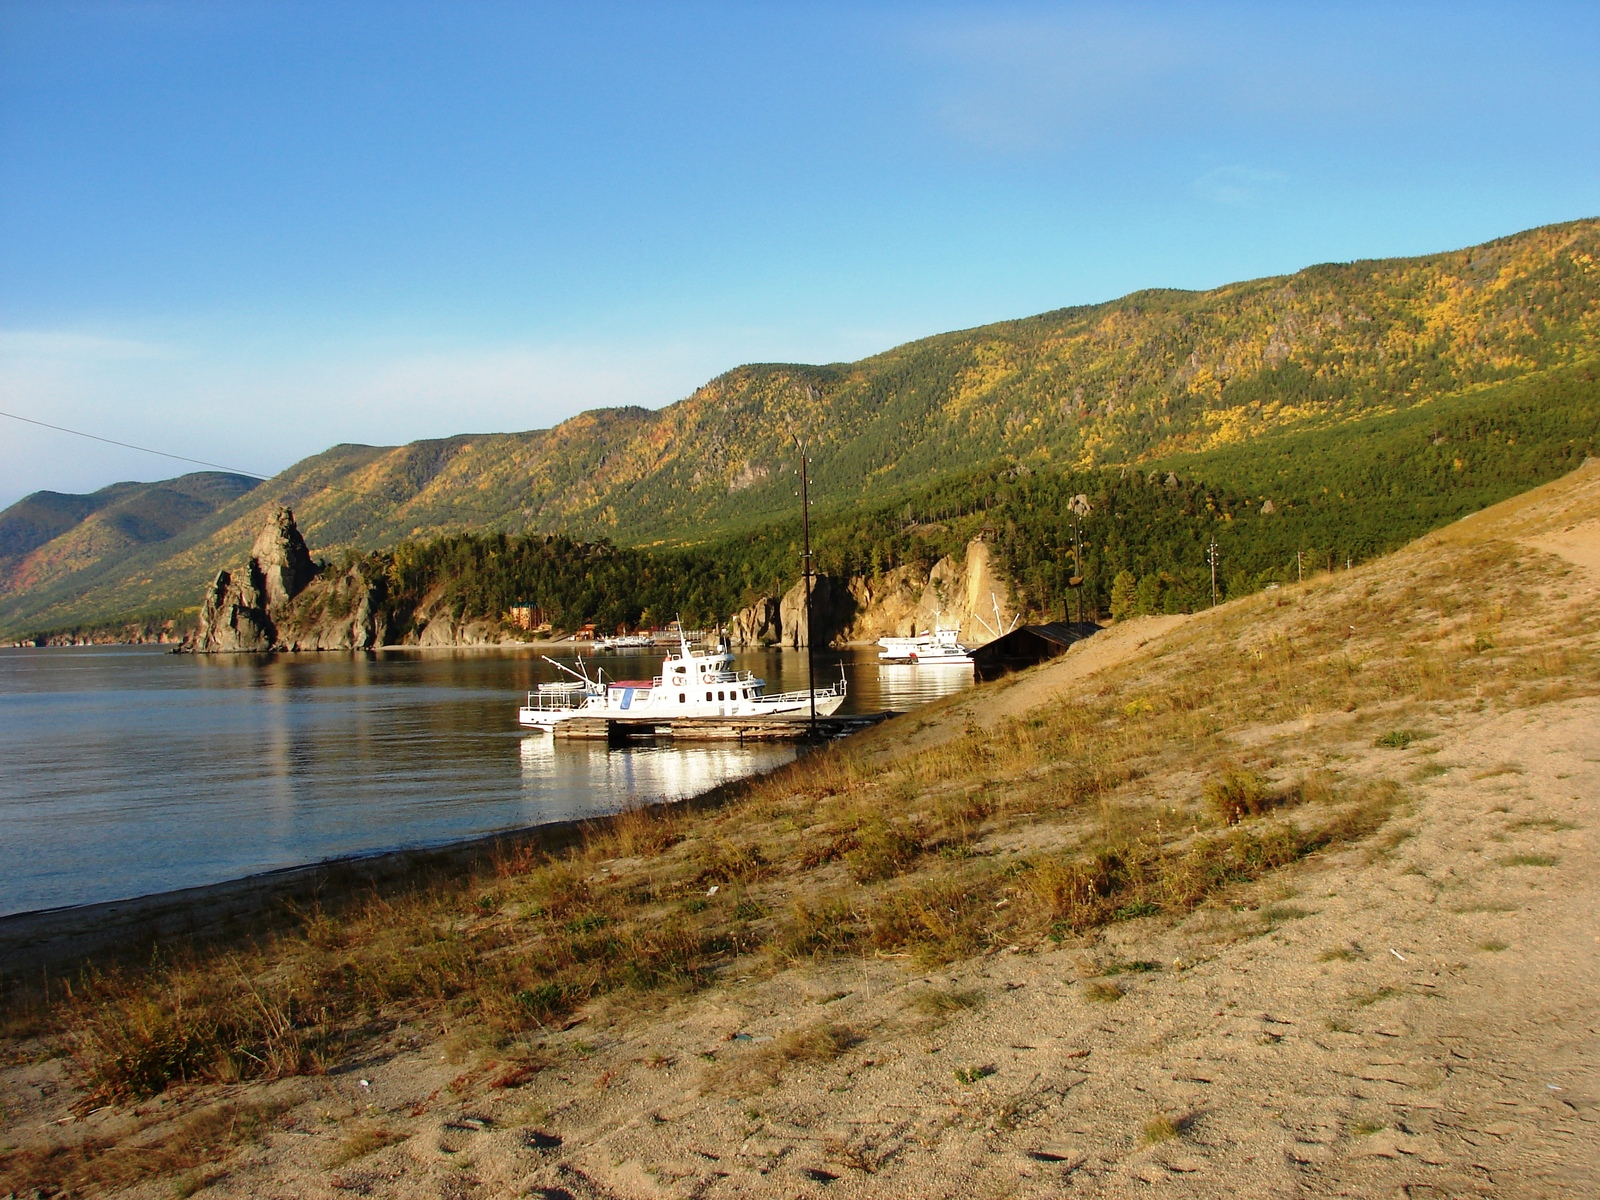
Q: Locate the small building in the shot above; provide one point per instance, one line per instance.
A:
(1029, 644)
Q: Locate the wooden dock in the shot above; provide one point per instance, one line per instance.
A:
(716, 729)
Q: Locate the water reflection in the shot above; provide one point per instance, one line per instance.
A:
(644, 773)
(130, 771)
(903, 686)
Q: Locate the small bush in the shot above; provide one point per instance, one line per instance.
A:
(1158, 1129)
(1101, 992)
(883, 850)
(1237, 793)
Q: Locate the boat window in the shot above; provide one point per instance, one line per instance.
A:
(720, 696)
(708, 695)
(683, 698)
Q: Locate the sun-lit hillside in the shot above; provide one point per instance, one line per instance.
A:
(1153, 376)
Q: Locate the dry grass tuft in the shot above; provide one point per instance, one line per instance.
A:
(1158, 1129)
(763, 1068)
(97, 1165)
(932, 1002)
(360, 1142)
(818, 1043)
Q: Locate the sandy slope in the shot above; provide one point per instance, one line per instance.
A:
(1413, 1016)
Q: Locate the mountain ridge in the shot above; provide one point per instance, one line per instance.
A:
(1157, 374)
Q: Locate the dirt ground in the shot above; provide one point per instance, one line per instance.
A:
(1414, 1015)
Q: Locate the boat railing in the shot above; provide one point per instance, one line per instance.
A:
(556, 701)
(837, 689)
(708, 677)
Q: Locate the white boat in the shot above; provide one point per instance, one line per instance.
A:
(628, 641)
(931, 649)
(690, 687)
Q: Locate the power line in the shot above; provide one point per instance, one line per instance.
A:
(130, 446)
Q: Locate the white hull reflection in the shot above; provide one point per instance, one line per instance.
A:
(903, 686)
(636, 775)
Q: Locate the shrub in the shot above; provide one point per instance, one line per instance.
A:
(883, 850)
(1237, 793)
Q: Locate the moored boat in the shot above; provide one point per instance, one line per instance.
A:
(691, 686)
(940, 647)
(626, 641)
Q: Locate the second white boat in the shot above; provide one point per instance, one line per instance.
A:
(941, 647)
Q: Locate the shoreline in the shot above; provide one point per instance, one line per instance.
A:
(110, 932)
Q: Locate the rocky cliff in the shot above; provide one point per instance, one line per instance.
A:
(970, 592)
(280, 599)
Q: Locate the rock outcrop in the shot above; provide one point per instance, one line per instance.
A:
(336, 612)
(832, 611)
(759, 625)
(281, 560)
(971, 592)
(280, 599)
(233, 614)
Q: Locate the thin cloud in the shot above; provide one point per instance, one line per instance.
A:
(1238, 187)
(71, 345)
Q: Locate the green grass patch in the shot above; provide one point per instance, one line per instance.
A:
(1529, 860)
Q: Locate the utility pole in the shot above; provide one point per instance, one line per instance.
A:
(1077, 561)
(1080, 509)
(806, 567)
(1299, 567)
(1211, 557)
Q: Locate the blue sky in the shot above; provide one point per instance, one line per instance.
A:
(245, 231)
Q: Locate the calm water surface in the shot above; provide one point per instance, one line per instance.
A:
(127, 770)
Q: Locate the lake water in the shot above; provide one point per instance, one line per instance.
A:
(126, 771)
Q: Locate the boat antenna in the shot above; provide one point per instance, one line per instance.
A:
(563, 667)
(998, 619)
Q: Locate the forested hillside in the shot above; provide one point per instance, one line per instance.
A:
(1217, 385)
(1308, 500)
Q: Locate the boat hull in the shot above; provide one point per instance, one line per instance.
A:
(828, 703)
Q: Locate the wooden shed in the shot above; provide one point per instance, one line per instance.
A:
(1027, 645)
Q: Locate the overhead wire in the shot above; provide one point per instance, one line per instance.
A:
(94, 437)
